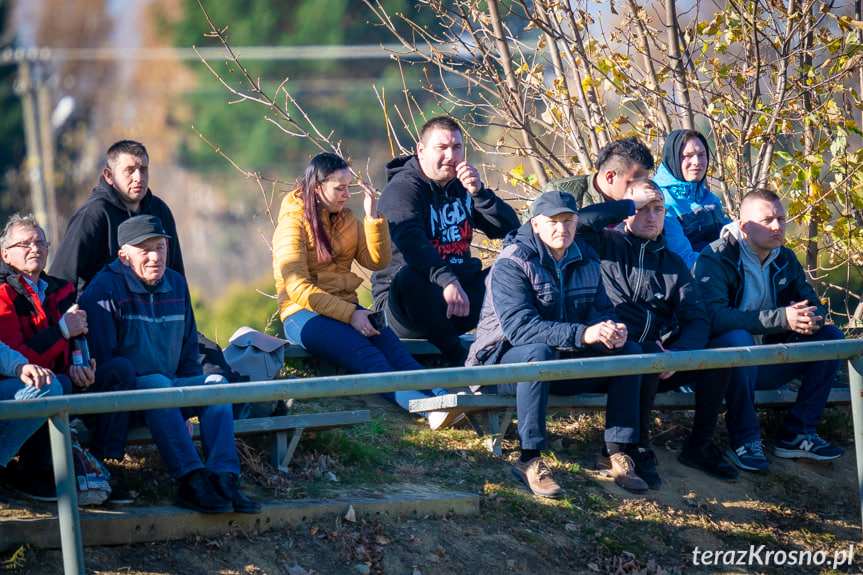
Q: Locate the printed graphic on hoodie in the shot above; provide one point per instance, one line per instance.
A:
(451, 230)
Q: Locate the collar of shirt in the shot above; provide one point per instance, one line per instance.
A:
(39, 288)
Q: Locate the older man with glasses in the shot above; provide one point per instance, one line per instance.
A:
(37, 322)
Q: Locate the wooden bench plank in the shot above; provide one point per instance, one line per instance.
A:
(281, 450)
(592, 401)
(491, 414)
(414, 347)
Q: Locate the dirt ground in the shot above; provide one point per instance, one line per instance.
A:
(798, 512)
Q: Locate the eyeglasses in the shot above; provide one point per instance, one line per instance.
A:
(29, 245)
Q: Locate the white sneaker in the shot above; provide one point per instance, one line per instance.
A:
(443, 419)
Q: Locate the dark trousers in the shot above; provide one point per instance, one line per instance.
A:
(109, 430)
(621, 412)
(710, 386)
(416, 308)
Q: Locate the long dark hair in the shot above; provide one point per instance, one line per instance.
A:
(317, 172)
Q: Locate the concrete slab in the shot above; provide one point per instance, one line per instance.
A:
(101, 526)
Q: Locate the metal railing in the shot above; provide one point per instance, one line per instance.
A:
(58, 409)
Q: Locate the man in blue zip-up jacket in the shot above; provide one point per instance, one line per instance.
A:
(545, 301)
(141, 311)
(656, 297)
(755, 291)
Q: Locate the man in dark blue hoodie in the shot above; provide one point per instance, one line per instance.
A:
(655, 295)
(433, 287)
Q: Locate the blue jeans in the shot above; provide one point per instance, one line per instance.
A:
(621, 415)
(169, 431)
(816, 376)
(355, 352)
(15, 432)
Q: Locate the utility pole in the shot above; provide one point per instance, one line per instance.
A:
(31, 135)
(39, 138)
(45, 108)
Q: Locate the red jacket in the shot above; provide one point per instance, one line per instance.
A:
(32, 328)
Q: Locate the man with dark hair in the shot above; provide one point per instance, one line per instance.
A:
(756, 292)
(141, 311)
(617, 165)
(90, 241)
(655, 295)
(433, 287)
(545, 300)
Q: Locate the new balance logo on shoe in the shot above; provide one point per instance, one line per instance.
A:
(809, 445)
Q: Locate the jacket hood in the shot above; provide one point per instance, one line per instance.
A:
(106, 191)
(8, 275)
(404, 164)
(731, 230)
(679, 189)
(672, 149)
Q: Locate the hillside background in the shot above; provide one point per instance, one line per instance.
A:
(129, 86)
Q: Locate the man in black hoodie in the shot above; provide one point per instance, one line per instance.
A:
(90, 241)
(433, 288)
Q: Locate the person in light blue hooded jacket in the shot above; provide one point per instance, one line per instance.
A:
(695, 214)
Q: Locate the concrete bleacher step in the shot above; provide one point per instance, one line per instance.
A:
(125, 525)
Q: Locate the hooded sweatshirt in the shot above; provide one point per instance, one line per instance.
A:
(651, 288)
(721, 273)
(695, 214)
(756, 274)
(90, 241)
(431, 226)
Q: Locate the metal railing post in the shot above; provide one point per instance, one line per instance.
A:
(67, 495)
(855, 381)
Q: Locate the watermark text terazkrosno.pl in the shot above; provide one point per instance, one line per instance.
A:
(762, 556)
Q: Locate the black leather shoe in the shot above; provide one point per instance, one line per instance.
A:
(228, 486)
(708, 458)
(198, 494)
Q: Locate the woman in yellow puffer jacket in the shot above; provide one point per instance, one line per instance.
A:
(315, 245)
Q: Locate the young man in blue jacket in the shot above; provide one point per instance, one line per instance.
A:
(655, 295)
(140, 310)
(545, 300)
(756, 292)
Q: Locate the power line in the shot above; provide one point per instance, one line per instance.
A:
(326, 52)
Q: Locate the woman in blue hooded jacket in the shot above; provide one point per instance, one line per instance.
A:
(695, 214)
